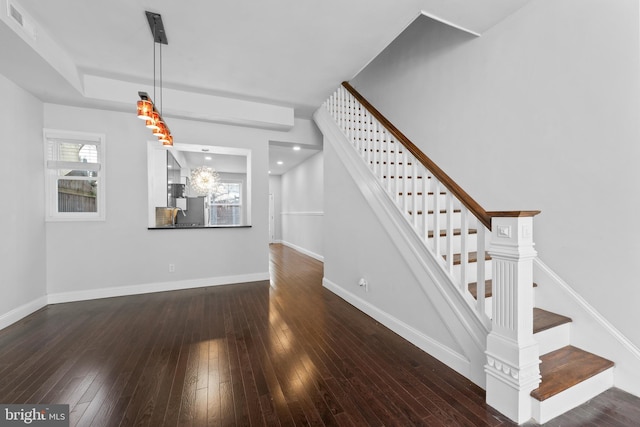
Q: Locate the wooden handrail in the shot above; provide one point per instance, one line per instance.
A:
(478, 211)
(445, 179)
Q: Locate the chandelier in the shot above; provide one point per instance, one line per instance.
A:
(147, 110)
(204, 180)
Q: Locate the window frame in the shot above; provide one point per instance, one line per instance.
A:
(52, 166)
(240, 204)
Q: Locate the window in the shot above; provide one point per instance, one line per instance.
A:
(226, 204)
(74, 174)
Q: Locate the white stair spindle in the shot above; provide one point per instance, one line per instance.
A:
(376, 141)
(414, 192)
(363, 131)
(333, 105)
(464, 248)
(359, 132)
(449, 231)
(370, 136)
(405, 184)
(382, 134)
(370, 145)
(425, 206)
(396, 172)
(436, 218)
(349, 113)
(389, 157)
(480, 268)
(343, 101)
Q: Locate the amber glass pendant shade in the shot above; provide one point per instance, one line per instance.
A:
(161, 129)
(145, 109)
(152, 123)
(168, 141)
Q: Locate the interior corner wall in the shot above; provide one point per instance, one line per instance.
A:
(275, 188)
(120, 255)
(540, 112)
(302, 207)
(22, 245)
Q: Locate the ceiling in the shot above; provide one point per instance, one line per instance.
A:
(278, 56)
(285, 156)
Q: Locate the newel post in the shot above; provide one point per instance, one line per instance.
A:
(512, 367)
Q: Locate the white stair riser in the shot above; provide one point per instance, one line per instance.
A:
(573, 397)
(554, 338)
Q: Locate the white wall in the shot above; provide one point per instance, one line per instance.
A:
(275, 188)
(302, 207)
(22, 245)
(405, 289)
(120, 255)
(540, 112)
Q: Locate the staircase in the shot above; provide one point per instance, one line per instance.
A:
(532, 369)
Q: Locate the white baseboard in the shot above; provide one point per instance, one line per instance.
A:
(444, 354)
(304, 251)
(23, 311)
(154, 287)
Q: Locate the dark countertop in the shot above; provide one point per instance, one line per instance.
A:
(194, 226)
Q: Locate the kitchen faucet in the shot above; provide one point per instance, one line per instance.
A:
(174, 215)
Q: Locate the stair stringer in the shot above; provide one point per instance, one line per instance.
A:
(467, 328)
(589, 329)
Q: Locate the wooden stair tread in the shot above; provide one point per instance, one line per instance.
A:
(566, 367)
(488, 288)
(473, 257)
(456, 232)
(543, 320)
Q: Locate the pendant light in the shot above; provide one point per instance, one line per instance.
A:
(147, 110)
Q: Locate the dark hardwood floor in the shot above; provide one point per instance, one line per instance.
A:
(282, 353)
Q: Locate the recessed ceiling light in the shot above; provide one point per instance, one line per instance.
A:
(169, 166)
(269, 171)
(296, 148)
(280, 162)
(208, 158)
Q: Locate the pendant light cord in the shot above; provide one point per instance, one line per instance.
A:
(154, 59)
(160, 78)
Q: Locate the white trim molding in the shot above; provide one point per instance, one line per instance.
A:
(303, 250)
(21, 312)
(449, 23)
(446, 355)
(303, 213)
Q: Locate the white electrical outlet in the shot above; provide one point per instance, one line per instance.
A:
(172, 268)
